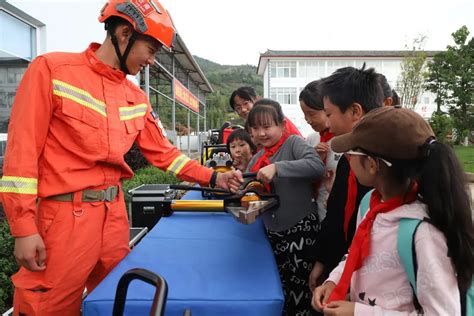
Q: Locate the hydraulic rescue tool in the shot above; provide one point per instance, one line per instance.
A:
(252, 200)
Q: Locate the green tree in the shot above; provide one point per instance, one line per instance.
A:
(451, 78)
(412, 76)
(442, 125)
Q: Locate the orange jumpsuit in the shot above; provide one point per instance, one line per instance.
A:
(73, 120)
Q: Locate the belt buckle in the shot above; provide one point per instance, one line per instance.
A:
(110, 193)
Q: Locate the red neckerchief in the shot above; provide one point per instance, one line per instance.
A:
(325, 136)
(360, 247)
(291, 128)
(264, 160)
(349, 208)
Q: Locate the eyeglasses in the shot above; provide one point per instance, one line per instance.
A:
(238, 107)
(358, 153)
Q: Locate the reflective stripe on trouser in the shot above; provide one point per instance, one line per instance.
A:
(80, 250)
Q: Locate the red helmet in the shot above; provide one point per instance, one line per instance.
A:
(147, 17)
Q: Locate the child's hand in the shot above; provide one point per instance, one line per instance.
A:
(315, 275)
(266, 174)
(322, 149)
(339, 308)
(321, 295)
(328, 180)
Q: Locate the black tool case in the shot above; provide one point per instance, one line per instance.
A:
(149, 202)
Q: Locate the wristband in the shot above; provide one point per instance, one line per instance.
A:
(212, 182)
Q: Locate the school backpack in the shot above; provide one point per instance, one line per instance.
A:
(406, 251)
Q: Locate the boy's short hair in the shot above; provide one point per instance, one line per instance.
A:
(386, 89)
(350, 85)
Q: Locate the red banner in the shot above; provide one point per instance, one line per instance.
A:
(185, 96)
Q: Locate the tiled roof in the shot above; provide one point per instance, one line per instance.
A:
(340, 53)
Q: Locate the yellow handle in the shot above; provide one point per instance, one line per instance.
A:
(197, 205)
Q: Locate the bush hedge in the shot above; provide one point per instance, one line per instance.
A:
(146, 175)
(442, 126)
(8, 266)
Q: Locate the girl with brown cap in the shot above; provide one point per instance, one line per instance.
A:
(394, 150)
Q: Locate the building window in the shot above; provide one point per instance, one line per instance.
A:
(312, 69)
(334, 65)
(17, 49)
(3, 75)
(283, 69)
(283, 95)
(15, 75)
(3, 100)
(16, 37)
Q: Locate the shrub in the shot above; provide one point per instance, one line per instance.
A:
(148, 175)
(8, 266)
(134, 158)
(442, 126)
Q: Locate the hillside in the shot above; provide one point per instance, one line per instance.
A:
(225, 79)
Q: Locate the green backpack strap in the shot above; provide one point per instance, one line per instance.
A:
(470, 299)
(405, 243)
(364, 204)
(405, 247)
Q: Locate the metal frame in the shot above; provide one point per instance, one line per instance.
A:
(179, 64)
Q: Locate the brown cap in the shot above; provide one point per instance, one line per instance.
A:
(390, 132)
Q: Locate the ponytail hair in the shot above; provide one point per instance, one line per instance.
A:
(443, 187)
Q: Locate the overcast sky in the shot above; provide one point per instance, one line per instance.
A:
(236, 31)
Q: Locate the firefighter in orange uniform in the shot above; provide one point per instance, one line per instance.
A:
(74, 118)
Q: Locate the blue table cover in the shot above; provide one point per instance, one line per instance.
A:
(213, 265)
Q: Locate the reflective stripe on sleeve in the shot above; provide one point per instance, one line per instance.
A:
(178, 164)
(131, 112)
(19, 185)
(77, 95)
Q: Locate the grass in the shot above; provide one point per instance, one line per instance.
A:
(466, 157)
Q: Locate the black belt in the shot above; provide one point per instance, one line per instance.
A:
(107, 195)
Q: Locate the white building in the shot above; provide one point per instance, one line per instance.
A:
(22, 38)
(286, 73)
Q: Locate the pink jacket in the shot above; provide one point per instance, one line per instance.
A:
(381, 287)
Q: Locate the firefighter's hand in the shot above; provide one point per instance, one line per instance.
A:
(339, 308)
(321, 295)
(266, 174)
(30, 252)
(322, 149)
(230, 180)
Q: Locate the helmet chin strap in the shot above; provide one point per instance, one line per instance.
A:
(123, 58)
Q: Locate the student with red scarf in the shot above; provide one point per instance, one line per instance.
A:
(242, 101)
(348, 94)
(311, 103)
(291, 165)
(394, 150)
